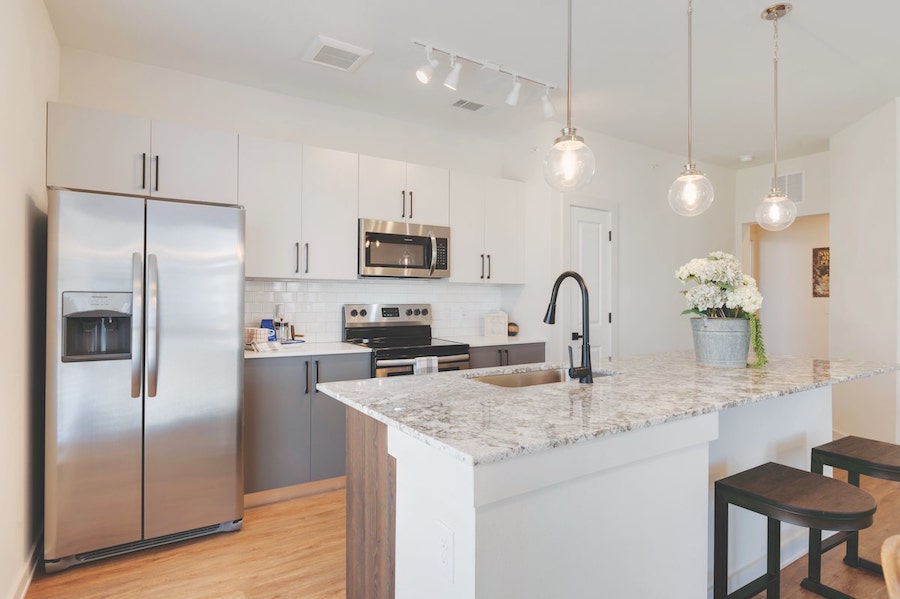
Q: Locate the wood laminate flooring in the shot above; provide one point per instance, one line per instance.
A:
(295, 549)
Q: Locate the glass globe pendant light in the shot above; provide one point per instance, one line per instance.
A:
(691, 193)
(777, 211)
(569, 165)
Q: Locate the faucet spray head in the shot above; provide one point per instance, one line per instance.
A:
(550, 316)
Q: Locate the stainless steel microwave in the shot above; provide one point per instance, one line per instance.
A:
(399, 249)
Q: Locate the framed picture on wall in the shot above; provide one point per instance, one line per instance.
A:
(821, 269)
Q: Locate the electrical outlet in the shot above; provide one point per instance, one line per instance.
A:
(445, 549)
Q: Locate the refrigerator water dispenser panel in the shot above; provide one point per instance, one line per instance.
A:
(96, 326)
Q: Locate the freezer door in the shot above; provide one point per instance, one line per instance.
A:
(193, 471)
(93, 472)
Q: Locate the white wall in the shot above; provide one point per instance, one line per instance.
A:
(754, 183)
(794, 322)
(864, 268)
(29, 72)
(633, 180)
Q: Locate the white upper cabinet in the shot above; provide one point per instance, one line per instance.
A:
(399, 191)
(487, 219)
(96, 150)
(269, 188)
(330, 232)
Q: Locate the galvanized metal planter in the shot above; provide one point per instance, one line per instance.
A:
(722, 342)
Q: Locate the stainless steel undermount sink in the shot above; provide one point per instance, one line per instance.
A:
(524, 379)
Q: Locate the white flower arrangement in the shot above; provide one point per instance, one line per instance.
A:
(723, 291)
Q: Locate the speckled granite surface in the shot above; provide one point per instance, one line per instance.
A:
(481, 423)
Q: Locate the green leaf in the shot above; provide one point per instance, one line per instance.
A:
(693, 311)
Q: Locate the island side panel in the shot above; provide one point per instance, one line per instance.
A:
(371, 489)
(782, 430)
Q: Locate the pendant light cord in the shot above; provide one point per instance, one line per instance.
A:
(569, 74)
(690, 14)
(775, 77)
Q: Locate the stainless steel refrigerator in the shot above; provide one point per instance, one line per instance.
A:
(144, 374)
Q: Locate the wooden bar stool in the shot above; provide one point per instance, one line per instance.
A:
(783, 494)
(857, 456)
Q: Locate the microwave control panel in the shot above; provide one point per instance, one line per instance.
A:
(441, 254)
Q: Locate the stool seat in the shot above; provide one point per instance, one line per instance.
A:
(864, 456)
(799, 497)
(783, 494)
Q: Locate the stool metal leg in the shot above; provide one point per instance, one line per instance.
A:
(720, 548)
(773, 560)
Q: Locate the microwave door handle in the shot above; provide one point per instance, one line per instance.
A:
(137, 308)
(433, 241)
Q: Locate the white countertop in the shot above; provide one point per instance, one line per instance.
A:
(310, 349)
(479, 423)
(489, 340)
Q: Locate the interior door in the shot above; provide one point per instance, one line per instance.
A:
(592, 259)
(194, 366)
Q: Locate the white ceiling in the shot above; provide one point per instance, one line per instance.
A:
(630, 61)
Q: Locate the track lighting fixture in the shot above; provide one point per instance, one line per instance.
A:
(513, 98)
(547, 104)
(452, 80)
(427, 70)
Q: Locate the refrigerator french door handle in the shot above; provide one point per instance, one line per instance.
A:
(137, 322)
(152, 324)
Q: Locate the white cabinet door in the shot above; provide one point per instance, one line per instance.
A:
(193, 163)
(269, 189)
(97, 150)
(382, 189)
(399, 191)
(467, 260)
(504, 237)
(428, 194)
(329, 207)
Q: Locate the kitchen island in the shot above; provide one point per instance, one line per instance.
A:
(564, 489)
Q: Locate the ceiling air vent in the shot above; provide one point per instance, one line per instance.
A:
(792, 185)
(468, 105)
(332, 53)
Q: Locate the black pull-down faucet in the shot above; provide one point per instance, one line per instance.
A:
(583, 373)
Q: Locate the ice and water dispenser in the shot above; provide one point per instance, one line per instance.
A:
(96, 326)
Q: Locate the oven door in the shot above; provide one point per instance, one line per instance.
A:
(405, 366)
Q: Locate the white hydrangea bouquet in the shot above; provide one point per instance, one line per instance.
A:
(723, 291)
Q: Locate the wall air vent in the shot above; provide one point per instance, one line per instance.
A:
(793, 185)
(468, 105)
(332, 53)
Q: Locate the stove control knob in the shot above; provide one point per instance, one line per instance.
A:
(363, 312)
(424, 311)
(417, 311)
(353, 312)
(409, 311)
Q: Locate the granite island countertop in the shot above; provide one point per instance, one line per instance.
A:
(481, 423)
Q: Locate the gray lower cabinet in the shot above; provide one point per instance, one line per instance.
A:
(506, 355)
(292, 433)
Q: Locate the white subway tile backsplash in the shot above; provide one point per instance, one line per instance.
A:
(315, 306)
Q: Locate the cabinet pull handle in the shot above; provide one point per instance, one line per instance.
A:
(482, 266)
(297, 250)
(143, 170)
(403, 201)
(306, 364)
(157, 173)
(306, 270)
(317, 376)
(506, 351)
(410, 204)
(489, 266)
(500, 357)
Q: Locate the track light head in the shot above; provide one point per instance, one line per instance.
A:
(452, 80)
(424, 73)
(513, 97)
(547, 105)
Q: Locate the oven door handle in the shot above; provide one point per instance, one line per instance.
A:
(411, 361)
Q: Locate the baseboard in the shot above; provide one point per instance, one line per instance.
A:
(294, 491)
(28, 573)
